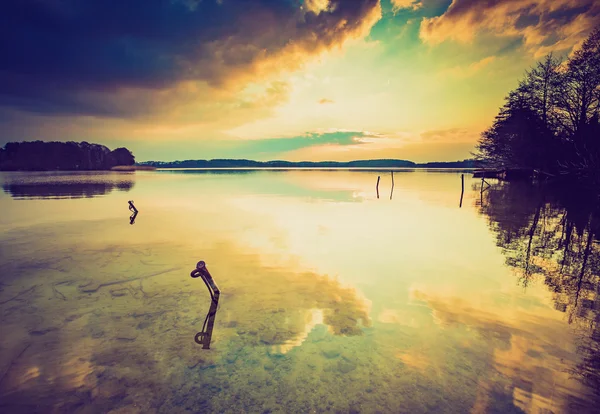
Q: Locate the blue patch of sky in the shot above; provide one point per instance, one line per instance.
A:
(256, 149)
(398, 31)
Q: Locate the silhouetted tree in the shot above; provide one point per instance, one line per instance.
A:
(517, 135)
(543, 85)
(38, 155)
(580, 87)
(550, 122)
(122, 156)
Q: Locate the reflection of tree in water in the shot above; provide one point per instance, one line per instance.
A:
(65, 190)
(552, 234)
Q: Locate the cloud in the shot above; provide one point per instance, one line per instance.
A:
(318, 6)
(467, 71)
(406, 4)
(433, 145)
(451, 135)
(119, 59)
(325, 101)
(543, 25)
(371, 145)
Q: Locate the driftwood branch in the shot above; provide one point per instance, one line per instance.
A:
(19, 295)
(9, 366)
(92, 287)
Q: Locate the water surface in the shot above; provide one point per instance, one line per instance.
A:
(333, 300)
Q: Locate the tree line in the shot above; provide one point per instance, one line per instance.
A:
(242, 163)
(45, 156)
(550, 122)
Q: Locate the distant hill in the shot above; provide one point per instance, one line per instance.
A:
(242, 163)
(66, 156)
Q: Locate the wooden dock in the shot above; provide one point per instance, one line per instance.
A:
(506, 174)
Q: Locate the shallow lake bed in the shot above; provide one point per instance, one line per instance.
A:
(333, 299)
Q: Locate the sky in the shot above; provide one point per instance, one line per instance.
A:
(273, 79)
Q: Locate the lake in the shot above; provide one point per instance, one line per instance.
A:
(332, 299)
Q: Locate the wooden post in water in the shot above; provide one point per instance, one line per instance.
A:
(462, 192)
(377, 187)
(481, 192)
(132, 207)
(392, 192)
(204, 337)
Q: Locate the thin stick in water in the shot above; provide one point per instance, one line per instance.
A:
(462, 179)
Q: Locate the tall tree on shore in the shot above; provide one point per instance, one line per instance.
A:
(580, 93)
(550, 121)
(579, 109)
(521, 133)
(543, 85)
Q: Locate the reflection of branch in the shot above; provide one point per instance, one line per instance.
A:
(482, 183)
(204, 337)
(568, 239)
(586, 255)
(534, 225)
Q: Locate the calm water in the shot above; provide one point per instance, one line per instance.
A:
(333, 300)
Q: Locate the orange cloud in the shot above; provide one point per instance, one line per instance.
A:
(435, 148)
(318, 6)
(406, 4)
(451, 135)
(467, 71)
(325, 101)
(328, 28)
(544, 25)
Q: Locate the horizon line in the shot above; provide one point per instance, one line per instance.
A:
(331, 161)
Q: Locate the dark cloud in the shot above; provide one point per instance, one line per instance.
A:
(73, 56)
(527, 17)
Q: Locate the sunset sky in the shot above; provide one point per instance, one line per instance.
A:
(273, 79)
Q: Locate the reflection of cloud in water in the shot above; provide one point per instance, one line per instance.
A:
(524, 348)
(290, 304)
(129, 344)
(414, 359)
(314, 318)
(396, 316)
(277, 183)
